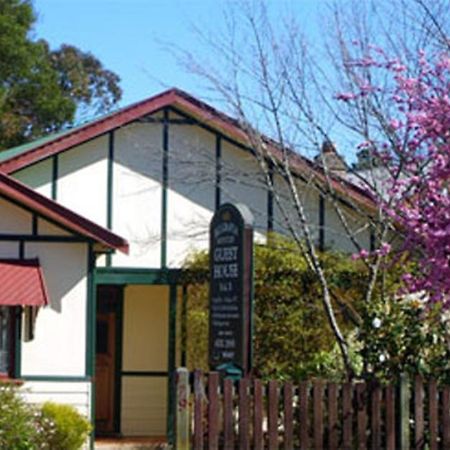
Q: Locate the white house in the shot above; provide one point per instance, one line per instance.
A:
(95, 223)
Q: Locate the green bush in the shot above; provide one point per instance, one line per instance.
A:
(18, 429)
(65, 427)
(292, 339)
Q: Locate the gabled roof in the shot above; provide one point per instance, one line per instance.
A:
(17, 158)
(21, 194)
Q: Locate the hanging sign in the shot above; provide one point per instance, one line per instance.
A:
(231, 289)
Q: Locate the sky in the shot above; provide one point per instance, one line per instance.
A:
(132, 37)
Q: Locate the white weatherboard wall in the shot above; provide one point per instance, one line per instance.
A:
(75, 393)
(38, 176)
(14, 220)
(145, 348)
(337, 237)
(144, 406)
(310, 201)
(243, 182)
(82, 179)
(191, 193)
(137, 193)
(59, 345)
(58, 348)
(137, 190)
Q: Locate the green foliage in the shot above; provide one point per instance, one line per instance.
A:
(390, 335)
(41, 89)
(17, 421)
(404, 335)
(66, 428)
(292, 338)
(27, 427)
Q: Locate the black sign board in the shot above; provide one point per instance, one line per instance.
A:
(231, 289)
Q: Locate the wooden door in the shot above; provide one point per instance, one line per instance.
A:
(105, 372)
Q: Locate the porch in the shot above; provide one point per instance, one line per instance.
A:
(135, 443)
(135, 356)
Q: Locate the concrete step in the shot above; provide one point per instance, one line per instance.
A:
(141, 443)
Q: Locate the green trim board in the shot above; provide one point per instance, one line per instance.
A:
(109, 188)
(18, 341)
(373, 240)
(34, 224)
(218, 193)
(43, 238)
(126, 275)
(55, 174)
(171, 363)
(118, 362)
(270, 203)
(165, 184)
(321, 223)
(91, 310)
(57, 378)
(183, 327)
(21, 249)
(144, 373)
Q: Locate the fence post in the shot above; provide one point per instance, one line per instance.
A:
(182, 419)
(404, 398)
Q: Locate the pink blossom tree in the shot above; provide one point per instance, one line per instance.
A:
(278, 83)
(416, 161)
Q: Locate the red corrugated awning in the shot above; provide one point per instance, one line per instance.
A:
(22, 283)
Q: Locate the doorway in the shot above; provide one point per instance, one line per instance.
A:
(108, 359)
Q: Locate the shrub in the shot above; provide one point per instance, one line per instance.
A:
(66, 428)
(292, 339)
(18, 429)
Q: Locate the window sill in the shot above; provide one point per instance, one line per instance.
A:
(5, 379)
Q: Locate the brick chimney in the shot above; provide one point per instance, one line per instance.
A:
(333, 161)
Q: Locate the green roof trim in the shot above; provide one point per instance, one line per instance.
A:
(24, 148)
(16, 151)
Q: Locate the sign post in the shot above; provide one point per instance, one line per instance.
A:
(231, 290)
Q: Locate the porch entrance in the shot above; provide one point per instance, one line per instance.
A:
(146, 351)
(107, 360)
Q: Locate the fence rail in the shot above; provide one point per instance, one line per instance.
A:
(252, 414)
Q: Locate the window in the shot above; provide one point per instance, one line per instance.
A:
(7, 322)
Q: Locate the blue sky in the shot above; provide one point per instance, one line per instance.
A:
(128, 35)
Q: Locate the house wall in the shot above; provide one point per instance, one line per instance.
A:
(136, 197)
(81, 184)
(75, 393)
(191, 191)
(38, 176)
(145, 350)
(283, 207)
(336, 235)
(117, 180)
(133, 206)
(59, 345)
(57, 352)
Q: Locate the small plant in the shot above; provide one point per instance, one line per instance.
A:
(65, 427)
(18, 429)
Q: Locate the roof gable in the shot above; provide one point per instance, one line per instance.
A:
(20, 157)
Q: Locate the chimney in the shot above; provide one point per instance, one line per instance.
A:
(331, 158)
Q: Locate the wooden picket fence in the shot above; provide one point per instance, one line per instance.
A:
(252, 414)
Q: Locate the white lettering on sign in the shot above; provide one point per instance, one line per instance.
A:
(225, 271)
(226, 228)
(225, 254)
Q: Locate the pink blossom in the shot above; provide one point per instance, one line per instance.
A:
(345, 96)
(420, 200)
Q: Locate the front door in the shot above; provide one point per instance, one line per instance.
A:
(107, 330)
